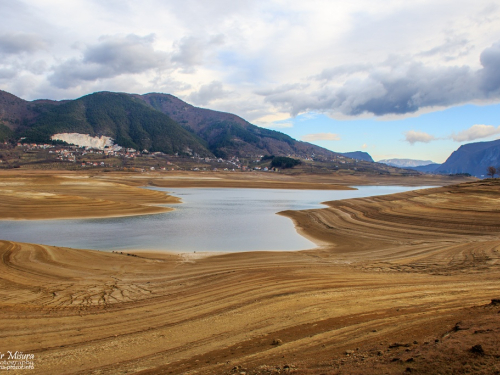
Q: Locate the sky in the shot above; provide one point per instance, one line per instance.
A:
(394, 78)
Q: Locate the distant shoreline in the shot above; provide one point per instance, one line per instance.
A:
(30, 195)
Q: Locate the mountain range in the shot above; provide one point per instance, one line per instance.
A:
(472, 158)
(405, 163)
(162, 122)
(155, 122)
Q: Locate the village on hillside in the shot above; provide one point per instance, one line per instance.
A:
(60, 155)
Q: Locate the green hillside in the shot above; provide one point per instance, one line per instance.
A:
(224, 137)
(127, 120)
(155, 122)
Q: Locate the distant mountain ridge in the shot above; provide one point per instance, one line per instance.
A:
(155, 122)
(359, 155)
(405, 163)
(473, 158)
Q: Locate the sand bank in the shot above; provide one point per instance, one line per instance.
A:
(72, 196)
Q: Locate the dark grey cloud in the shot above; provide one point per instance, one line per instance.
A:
(419, 86)
(208, 93)
(396, 87)
(16, 43)
(490, 74)
(110, 57)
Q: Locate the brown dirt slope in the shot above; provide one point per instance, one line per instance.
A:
(449, 229)
(395, 274)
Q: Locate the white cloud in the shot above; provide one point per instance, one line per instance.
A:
(475, 132)
(364, 146)
(191, 51)
(280, 56)
(413, 137)
(320, 137)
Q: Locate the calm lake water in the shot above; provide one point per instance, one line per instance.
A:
(208, 220)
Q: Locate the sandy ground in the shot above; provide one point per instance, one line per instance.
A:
(401, 284)
(49, 196)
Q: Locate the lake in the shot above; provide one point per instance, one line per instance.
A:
(209, 219)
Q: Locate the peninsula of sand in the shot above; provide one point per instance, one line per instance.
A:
(400, 283)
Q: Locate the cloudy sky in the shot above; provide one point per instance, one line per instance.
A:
(393, 78)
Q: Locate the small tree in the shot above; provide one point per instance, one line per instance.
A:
(491, 171)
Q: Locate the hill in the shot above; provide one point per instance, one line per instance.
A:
(227, 134)
(13, 112)
(119, 116)
(473, 158)
(359, 155)
(155, 122)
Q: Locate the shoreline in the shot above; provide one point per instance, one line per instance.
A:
(183, 255)
(107, 216)
(298, 225)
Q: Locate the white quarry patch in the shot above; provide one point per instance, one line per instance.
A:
(85, 140)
